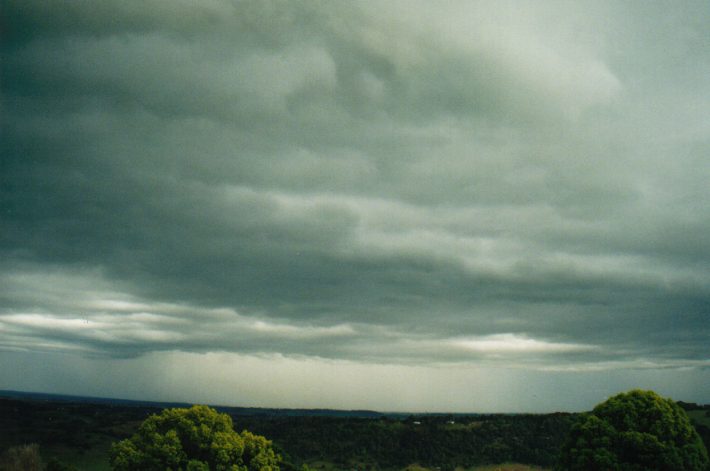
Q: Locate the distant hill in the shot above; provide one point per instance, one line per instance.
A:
(48, 397)
(234, 411)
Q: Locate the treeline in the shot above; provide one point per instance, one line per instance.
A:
(431, 441)
(374, 442)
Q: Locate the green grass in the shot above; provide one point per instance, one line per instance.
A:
(94, 459)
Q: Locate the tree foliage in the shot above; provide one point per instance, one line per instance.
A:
(637, 430)
(432, 441)
(21, 458)
(194, 439)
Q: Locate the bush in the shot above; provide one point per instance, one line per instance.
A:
(638, 430)
(21, 458)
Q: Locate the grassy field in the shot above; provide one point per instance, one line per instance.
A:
(509, 467)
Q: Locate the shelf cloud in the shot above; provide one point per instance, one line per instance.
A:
(385, 186)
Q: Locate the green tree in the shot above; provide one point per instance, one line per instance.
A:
(637, 430)
(194, 439)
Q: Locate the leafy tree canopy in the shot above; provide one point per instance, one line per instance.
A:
(194, 439)
(637, 430)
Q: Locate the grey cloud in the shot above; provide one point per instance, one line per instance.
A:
(356, 181)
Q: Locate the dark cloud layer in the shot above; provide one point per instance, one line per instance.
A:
(500, 184)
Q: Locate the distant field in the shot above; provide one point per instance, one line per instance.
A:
(94, 459)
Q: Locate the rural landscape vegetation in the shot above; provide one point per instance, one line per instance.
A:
(638, 430)
(421, 235)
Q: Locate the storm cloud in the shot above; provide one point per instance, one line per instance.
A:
(520, 187)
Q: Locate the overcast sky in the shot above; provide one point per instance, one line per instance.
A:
(393, 205)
